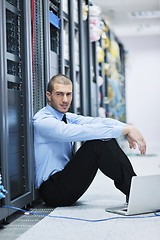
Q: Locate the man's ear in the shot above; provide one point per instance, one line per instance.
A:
(48, 95)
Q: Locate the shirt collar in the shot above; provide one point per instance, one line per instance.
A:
(56, 113)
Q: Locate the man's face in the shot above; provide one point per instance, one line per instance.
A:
(61, 97)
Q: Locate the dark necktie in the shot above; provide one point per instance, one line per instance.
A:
(64, 119)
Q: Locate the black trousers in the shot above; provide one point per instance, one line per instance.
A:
(67, 186)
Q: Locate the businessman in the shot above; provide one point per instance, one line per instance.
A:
(61, 176)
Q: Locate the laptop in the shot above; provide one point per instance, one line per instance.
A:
(144, 196)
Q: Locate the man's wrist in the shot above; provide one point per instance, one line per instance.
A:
(126, 129)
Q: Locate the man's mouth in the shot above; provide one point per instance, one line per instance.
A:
(64, 105)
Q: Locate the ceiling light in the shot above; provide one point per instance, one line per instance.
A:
(145, 14)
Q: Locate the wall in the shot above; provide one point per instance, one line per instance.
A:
(143, 87)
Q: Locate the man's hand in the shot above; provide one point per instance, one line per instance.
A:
(134, 137)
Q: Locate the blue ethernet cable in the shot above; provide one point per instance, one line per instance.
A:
(83, 219)
(3, 192)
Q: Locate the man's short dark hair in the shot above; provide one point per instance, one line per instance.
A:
(59, 78)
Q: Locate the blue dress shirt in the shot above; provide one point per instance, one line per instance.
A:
(52, 138)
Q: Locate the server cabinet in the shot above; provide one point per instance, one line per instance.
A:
(46, 44)
(16, 162)
(116, 79)
(91, 68)
(72, 51)
(64, 39)
(54, 34)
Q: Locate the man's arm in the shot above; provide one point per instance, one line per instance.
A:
(80, 120)
(134, 137)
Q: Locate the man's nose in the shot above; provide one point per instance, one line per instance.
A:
(64, 98)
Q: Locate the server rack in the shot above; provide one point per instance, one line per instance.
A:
(123, 87)
(67, 46)
(84, 100)
(54, 33)
(64, 39)
(117, 104)
(71, 49)
(91, 68)
(101, 73)
(106, 99)
(74, 54)
(103, 89)
(16, 153)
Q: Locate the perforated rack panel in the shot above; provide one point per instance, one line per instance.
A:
(38, 57)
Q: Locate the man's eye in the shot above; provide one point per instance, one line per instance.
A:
(59, 94)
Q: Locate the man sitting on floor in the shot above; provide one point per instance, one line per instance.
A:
(62, 177)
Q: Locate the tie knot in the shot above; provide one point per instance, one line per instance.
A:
(64, 118)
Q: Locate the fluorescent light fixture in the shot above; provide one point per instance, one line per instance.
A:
(145, 14)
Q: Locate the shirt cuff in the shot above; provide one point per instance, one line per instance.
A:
(117, 130)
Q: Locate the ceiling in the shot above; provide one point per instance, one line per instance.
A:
(132, 17)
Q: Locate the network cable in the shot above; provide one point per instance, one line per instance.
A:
(3, 192)
(156, 214)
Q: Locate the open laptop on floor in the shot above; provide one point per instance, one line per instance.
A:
(144, 196)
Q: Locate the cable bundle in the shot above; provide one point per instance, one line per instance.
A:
(3, 192)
